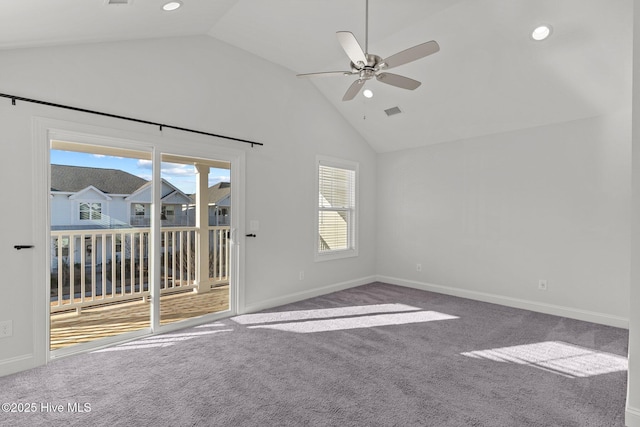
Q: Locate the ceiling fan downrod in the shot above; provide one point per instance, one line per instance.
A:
(366, 28)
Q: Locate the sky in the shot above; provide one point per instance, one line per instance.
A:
(180, 175)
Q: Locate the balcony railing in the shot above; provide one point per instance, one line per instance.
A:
(99, 267)
(179, 220)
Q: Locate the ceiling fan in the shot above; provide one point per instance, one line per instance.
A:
(366, 65)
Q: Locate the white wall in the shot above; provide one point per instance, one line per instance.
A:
(16, 293)
(207, 85)
(490, 216)
(633, 383)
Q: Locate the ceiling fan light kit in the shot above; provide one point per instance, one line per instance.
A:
(368, 66)
(541, 32)
(171, 6)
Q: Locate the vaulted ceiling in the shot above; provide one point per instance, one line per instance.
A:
(488, 77)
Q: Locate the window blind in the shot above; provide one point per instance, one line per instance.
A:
(336, 206)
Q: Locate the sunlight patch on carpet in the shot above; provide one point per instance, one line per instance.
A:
(322, 313)
(357, 322)
(558, 357)
(165, 340)
(211, 325)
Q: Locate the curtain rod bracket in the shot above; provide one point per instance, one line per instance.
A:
(13, 101)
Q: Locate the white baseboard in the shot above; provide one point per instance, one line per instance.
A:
(17, 364)
(556, 310)
(632, 417)
(299, 296)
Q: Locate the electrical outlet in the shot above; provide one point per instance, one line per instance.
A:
(301, 275)
(6, 328)
(418, 267)
(542, 285)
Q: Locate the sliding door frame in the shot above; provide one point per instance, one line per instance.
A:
(46, 130)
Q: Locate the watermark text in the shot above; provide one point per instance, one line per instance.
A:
(46, 407)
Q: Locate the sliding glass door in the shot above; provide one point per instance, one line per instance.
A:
(99, 282)
(195, 237)
(112, 224)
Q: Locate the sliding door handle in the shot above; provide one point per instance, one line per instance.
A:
(19, 247)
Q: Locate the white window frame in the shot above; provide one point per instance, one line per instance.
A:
(91, 211)
(352, 238)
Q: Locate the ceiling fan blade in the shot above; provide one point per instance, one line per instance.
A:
(398, 81)
(353, 90)
(326, 74)
(351, 47)
(411, 54)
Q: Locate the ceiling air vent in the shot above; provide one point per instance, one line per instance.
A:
(118, 1)
(392, 111)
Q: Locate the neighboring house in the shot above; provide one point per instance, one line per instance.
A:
(87, 198)
(220, 204)
(90, 198)
(219, 196)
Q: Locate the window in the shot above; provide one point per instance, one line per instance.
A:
(336, 210)
(168, 212)
(139, 209)
(90, 211)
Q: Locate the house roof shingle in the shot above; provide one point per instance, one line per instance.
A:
(219, 191)
(110, 181)
(216, 192)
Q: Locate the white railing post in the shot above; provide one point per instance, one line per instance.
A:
(202, 228)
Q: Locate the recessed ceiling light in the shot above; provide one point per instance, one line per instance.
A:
(541, 32)
(172, 5)
(367, 93)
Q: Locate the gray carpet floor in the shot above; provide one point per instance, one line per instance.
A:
(375, 355)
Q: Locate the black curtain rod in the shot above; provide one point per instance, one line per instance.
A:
(131, 119)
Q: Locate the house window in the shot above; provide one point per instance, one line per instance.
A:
(336, 217)
(139, 209)
(168, 212)
(90, 211)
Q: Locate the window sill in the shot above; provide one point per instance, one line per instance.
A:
(328, 256)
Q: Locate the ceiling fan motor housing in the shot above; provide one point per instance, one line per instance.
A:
(368, 70)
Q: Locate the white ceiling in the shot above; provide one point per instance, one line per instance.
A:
(488, 77)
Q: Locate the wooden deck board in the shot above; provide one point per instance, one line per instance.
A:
(95, 323)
